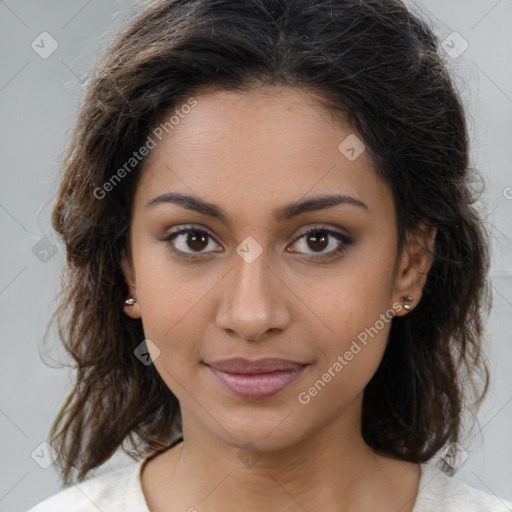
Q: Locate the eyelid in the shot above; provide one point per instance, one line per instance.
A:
(319, 227)
(201, 227)
(184, 228)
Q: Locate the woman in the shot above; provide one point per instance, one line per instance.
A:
(276, 272)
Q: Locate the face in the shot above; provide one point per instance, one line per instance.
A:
(237, 268)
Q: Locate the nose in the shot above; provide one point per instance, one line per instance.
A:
(254, 301)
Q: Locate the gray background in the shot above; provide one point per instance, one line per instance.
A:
(38, 98)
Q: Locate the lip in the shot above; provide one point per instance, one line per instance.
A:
(258, 366)
(256, 379)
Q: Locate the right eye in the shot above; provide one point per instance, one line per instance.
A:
(193, 238)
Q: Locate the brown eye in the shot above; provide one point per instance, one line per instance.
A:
(319, 239)
(196, 240)
(189, 243)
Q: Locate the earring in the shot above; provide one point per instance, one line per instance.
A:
(408, 298)
(130, 302)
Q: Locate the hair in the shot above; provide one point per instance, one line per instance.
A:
(374, 63)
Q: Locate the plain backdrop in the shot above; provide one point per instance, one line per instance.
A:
(38, 98)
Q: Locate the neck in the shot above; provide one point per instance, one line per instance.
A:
(331, 470)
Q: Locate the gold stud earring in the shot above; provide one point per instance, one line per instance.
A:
(130, 302)
(407, 307)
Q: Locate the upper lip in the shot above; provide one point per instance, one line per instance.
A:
(264, 365)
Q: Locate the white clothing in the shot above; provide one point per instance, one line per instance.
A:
(121, 491)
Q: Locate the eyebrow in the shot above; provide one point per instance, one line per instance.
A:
(283, 213)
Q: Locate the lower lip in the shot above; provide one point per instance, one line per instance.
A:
(257, 386)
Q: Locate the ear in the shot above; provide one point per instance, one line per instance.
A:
(133, 311)
(413, 266)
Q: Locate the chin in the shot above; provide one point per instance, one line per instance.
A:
(265, 430)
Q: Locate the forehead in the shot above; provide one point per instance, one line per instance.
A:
(261, 146)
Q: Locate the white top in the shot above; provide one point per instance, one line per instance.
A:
(121, 491)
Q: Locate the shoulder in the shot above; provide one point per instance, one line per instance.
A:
(105, 492)
(440, 492)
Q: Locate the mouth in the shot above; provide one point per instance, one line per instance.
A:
(256, 379)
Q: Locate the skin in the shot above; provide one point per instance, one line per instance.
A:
(251, 153)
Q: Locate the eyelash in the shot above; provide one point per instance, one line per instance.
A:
(346, 242)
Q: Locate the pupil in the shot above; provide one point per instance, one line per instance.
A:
(322, 240)
(195, 239)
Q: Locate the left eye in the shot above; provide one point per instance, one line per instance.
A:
(319, 239)
(198, 240)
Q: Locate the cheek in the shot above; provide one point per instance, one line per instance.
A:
(356, 317)
(175, 310)
(346, 367)
(169, 293)
(349, 301)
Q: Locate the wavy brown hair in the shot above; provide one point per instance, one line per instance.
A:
(374, 63)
